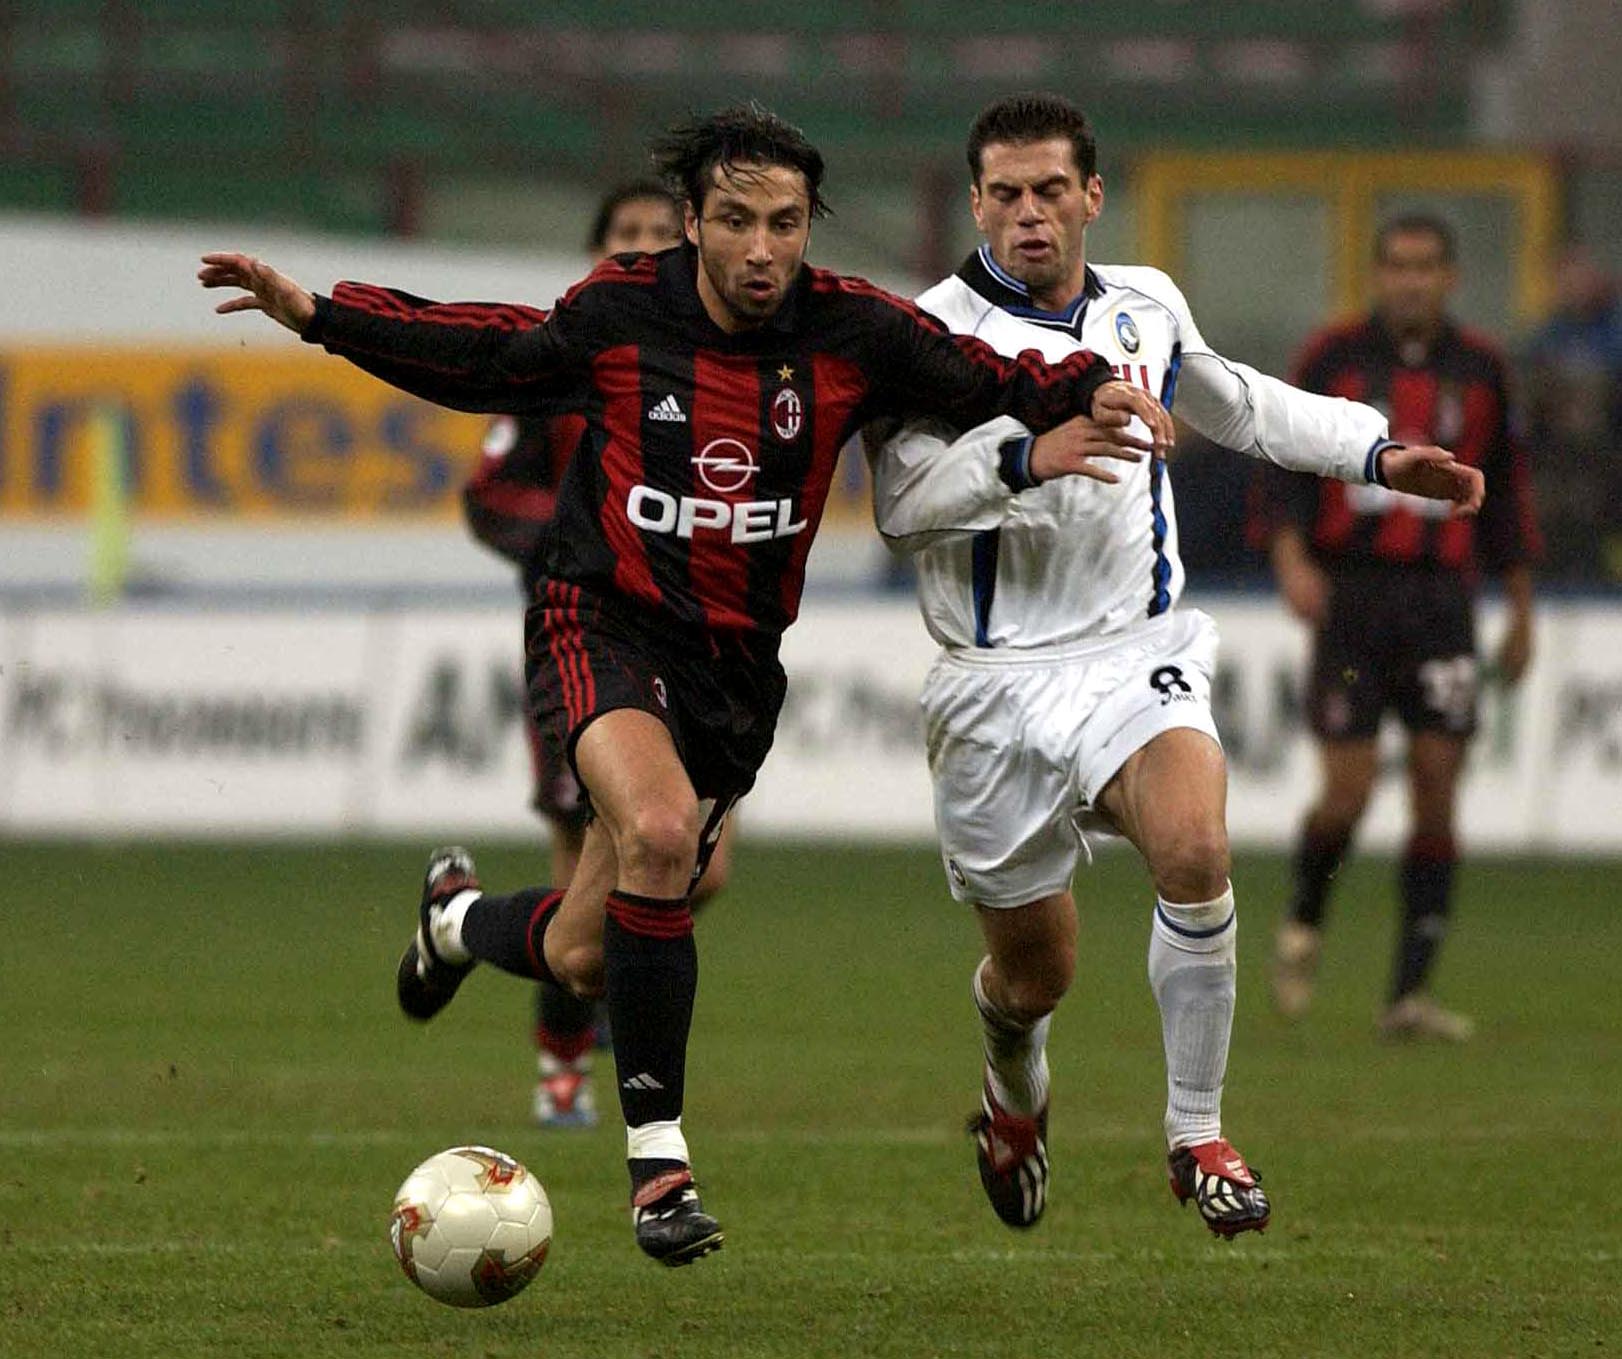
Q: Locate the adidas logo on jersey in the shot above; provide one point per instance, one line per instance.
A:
(642, 1081)
(668, 410)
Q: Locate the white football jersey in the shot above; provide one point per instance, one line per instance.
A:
(1073, 558)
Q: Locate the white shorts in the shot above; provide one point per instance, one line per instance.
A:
(1021, 744)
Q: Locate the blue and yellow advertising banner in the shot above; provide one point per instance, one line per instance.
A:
(255, 433)
(243, 434)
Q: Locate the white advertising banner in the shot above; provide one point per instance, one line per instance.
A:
(450, 758)
(136, 720)
(410, 722)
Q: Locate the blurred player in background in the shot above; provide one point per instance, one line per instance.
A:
(510, 503)
(719, 382)
(1386, 582)
(1070, 691)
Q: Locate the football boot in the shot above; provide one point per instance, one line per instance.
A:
(1227, 1192)
(671, 1225)
(1416, 1015)
(1013, 1156)
(425, 981)
(1295, 967)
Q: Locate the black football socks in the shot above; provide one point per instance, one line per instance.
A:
(510, 932)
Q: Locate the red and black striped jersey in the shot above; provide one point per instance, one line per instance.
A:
(707, 456)
(1455, 393)
(511, 499)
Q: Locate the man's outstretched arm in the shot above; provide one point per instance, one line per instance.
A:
(477, 356)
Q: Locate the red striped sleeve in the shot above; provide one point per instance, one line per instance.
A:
(401, 306)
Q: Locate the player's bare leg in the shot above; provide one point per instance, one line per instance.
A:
(1170, 800)
(1435, 761)
(1029, 964)
(646, 807)
(565, 1023)
(1348, 770)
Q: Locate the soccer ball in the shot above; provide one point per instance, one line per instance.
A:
(471, 1227)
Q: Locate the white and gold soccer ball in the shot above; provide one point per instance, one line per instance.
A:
(471, 1227)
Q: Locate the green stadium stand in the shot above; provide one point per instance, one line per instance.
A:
(377, 92)
(37, 187)
(77, 50)
(211, 191)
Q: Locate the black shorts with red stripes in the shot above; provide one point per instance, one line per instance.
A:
(718, 694)
(1398, 638)
(556, 794)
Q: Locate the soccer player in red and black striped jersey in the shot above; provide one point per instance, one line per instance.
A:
(719, 381)
(1388, 583)
(510, 502)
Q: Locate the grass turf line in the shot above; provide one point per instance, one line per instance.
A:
(207, 1100)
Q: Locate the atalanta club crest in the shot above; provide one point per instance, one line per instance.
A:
(788, 414)
(1126, 331)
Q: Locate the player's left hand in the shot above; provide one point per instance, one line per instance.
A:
(1116, 404)
(1434, 473)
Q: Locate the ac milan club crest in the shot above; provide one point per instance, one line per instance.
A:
(788, 414)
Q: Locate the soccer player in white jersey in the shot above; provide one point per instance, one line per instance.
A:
(1070, 691)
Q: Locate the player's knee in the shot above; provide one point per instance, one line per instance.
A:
(660, 841)
(1194, 864)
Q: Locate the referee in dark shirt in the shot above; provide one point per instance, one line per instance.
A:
(1388, 584)
(719, 381)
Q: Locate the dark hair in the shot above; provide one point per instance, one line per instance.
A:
(1024, 118)
(634, 191)
(1417, 224)
(688, 153)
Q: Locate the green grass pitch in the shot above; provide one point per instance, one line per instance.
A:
(207, 1100)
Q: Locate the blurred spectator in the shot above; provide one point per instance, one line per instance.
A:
(1574, 417)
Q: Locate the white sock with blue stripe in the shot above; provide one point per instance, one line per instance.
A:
(1192, 968)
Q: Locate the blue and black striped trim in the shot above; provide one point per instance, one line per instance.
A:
(1372, 472)
(984, 575)
(1014, 463)
(1175, 928)
(1160, 573)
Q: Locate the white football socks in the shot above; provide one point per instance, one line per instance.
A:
(1192, 966)
(662, 1140)
(1016, 1055)
(445, 926)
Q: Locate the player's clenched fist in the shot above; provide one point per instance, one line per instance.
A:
(275, 294)
(1434, 473)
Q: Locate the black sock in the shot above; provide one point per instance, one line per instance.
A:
(650, 963)
(1317, 858)
(507, 932)
(1427, 898)
(564, 1023)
